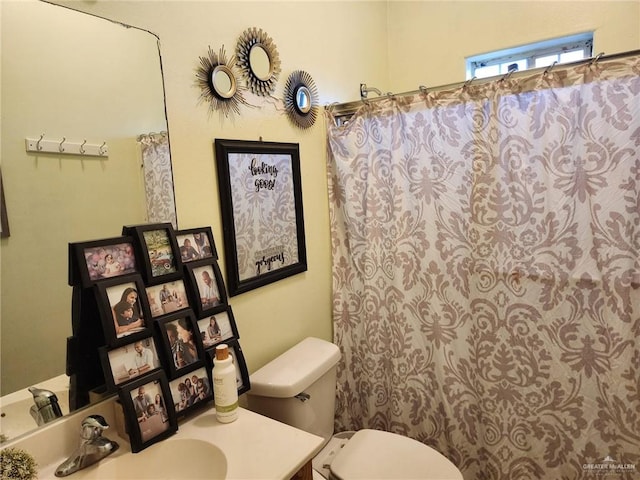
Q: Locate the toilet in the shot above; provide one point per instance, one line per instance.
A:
(298, 388)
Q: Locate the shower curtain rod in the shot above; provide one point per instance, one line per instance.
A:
(349, 108)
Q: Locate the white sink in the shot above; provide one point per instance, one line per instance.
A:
(15, 417)
(171, 459)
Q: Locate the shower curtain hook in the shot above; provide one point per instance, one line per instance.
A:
(423, 90)
(595, 59)
(548, 69)
(506, 76)
(468, 83)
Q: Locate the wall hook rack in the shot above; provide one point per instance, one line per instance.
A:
(65, 147)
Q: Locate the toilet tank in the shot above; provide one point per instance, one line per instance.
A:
(299, 387)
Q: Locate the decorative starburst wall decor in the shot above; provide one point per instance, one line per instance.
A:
(217, 78)
(301, 99)
(261, 78)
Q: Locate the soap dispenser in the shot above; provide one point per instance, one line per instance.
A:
(225, 389)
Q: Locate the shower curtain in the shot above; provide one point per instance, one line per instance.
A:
(158, 178)
(486, 271)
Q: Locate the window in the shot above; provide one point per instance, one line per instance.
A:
(534, 55)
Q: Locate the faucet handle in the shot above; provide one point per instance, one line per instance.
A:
(93, 426)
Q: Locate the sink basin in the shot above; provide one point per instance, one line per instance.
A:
(171, 459)
(15, 417)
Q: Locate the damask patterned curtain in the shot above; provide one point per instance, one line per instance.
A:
(158, 178)
(486, 271)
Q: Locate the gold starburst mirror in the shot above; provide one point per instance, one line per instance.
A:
(259, 61)
(217, 78)
(301, 99)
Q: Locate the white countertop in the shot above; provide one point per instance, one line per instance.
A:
(254, 446)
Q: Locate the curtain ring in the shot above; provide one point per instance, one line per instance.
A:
(423, 89)
(506, 76)
(595, 59)
(468, 83)
(548, 69)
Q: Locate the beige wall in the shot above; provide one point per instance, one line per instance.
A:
(338, 44)
(429, 40)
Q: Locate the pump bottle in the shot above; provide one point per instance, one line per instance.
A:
(225, 389)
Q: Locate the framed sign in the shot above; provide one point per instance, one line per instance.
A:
(261, 202)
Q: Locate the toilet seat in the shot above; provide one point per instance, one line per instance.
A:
(377, 455)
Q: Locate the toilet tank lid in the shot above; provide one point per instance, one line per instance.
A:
(296, 369)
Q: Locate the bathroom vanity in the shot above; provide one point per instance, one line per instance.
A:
(252, 447)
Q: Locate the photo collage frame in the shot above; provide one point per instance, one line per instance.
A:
(163, 308)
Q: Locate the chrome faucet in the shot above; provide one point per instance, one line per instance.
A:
(93, 447)
(46, 406)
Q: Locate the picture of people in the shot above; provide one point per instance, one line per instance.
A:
(110, 261)
(208, 290)
(160, 252)
(167, 297)
(194, 245)
(190, 389)
(133, 360)
(182, 342)
(216, 328)
(126, 309)
(151, 420)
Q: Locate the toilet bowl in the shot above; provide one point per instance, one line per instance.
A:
(298, 388)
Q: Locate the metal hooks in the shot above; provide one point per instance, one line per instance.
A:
(66, 147)
(548, 69)
(468, 83)
(595, 59)
(506, 76)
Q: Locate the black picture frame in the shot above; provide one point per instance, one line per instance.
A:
(146, 428)
(202, 245)
(118, 310)
(97, 260)
(261, 204)
(242, 373)
(183, 403)
(168, 297)
(4, 219)
(157, 251)
(126, 363)
(222, 330)
(209, 295)
(178, 356)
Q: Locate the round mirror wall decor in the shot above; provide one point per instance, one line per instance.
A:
(217, 78)
(301, 99)
(259, 61)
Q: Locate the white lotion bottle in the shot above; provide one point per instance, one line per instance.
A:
(225, 389)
